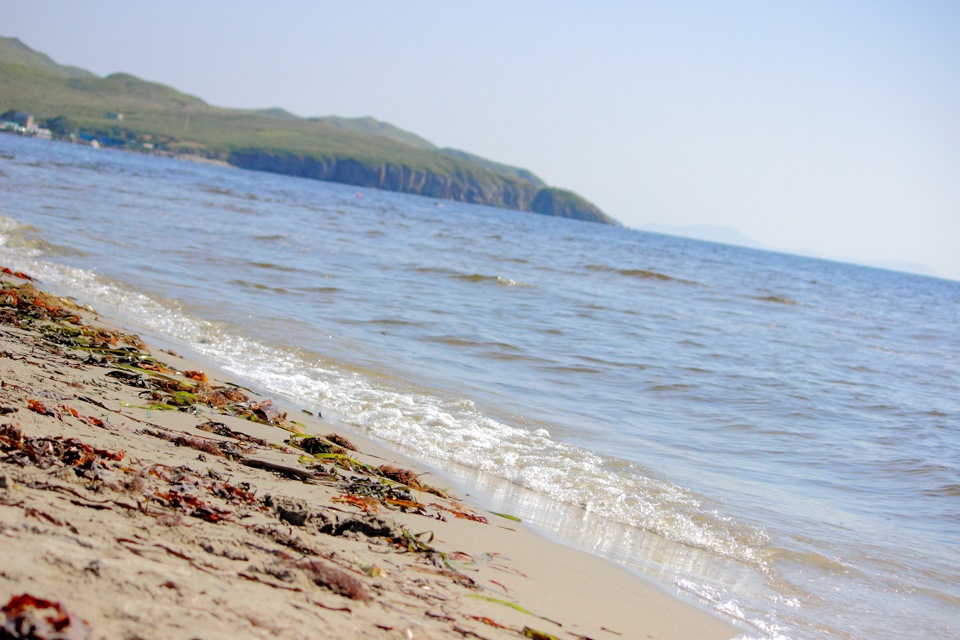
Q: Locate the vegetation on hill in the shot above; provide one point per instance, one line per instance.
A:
(12, 50)
(123, 110)
(565, 204)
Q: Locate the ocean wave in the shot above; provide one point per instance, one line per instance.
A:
(247, 284)
(227, 192)
(472, 277)
(642, 274)
(25, 240)
(776, 299)
(532, 459)
(269, 266)
(500, 280)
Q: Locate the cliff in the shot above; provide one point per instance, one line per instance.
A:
(471, 186)
(567, 204)
(356, 151)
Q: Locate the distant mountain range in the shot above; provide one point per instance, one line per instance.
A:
(124, 111)
(726, 235)
(708, 232)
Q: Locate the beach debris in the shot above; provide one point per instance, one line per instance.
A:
(460, 514)
(221, 397)
(198, 376)
(314, 446)
(514, 605)
(492, 623)
(267, 411)
(341, 441)
(16, 274)
(537, 635)
(507, 516)
(221, 429)
(403, 476)
(370, 526)
(284, 470)
(366, 503)
(127, 377)
(185, 489)
(408, 478)
(28, 307)
(219, 448)
(31, 618)
(38, 407)
(47, 452)
(335, 579)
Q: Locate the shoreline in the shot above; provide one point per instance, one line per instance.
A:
(127, 514)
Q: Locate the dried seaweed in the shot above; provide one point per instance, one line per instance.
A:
(314, 446)
(185, 491)
(341, 441)
(335, 579)
(284, 470)
(16, 274)
(403, 476)
(367, 503)
(223, 430)
(460, 514)
(47, 452)
(219, 448)
(537, 635)
(38, 407)
(514, 605)
(30, 618)
(492, 623)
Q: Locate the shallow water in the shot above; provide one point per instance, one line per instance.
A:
(776, 435)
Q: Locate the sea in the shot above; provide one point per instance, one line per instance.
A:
(772, 437)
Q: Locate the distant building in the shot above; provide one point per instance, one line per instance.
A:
(22, 118)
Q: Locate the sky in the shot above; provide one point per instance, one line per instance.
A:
(820, 127)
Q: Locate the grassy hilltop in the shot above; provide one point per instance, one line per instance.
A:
(358, 151)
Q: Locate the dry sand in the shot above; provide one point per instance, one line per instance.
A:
(123, 518)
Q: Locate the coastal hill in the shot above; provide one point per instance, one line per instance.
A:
(125, 111)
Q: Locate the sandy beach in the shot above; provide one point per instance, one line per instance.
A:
(146, 496)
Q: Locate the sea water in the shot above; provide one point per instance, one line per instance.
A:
(772, 436)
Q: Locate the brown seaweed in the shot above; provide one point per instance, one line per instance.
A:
(31, 618)
(335, 579)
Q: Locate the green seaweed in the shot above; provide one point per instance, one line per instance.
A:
(513, 605)
(507, 516)
(538, 635)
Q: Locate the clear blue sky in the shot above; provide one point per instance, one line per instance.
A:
(823, 126)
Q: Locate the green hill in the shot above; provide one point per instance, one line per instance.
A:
(12, 50)
(357, 151)
(385, 129)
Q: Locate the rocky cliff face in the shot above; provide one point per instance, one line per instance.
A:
(566, 204)
(488, 188)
